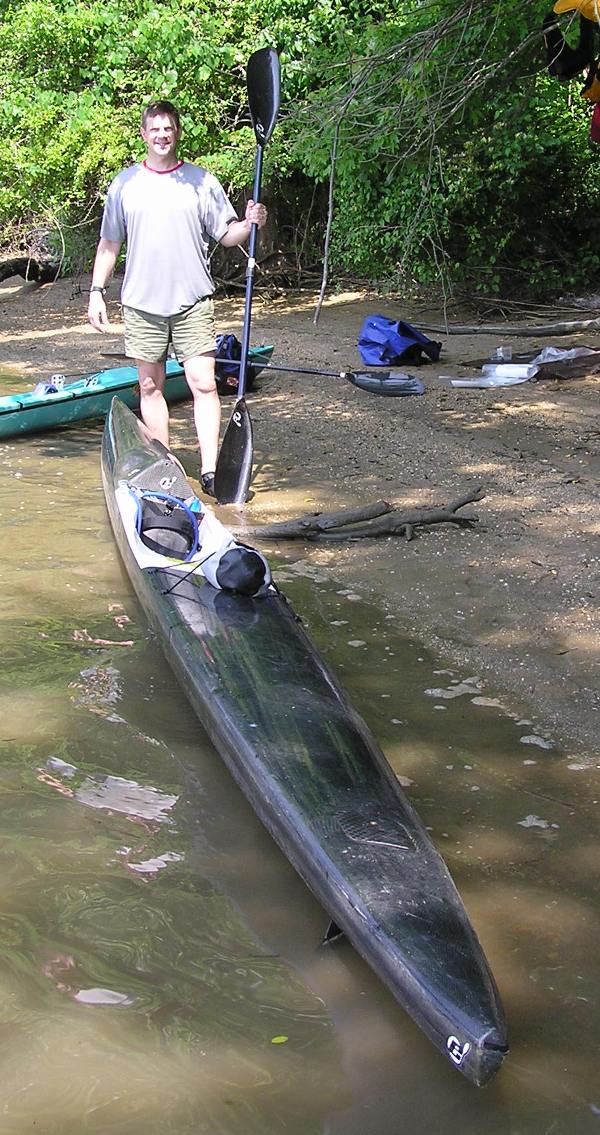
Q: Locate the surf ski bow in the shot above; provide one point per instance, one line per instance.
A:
(306, 761)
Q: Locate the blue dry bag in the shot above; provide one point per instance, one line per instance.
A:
(387, 342)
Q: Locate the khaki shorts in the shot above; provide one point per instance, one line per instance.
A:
(192, 332)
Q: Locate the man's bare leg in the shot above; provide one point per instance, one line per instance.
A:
(200, 375)
(153, 407)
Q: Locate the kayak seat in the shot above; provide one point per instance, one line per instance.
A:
(166, 525)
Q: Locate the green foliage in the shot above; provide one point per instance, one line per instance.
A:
(455, 154)
(75, 78)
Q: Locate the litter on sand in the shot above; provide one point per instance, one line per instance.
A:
(509, 374)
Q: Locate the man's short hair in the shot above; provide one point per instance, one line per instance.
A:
(160, 106)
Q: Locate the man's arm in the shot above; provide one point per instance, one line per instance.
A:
(104, 263)
(239, 231)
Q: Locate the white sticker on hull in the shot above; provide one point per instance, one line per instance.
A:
(456, 1050)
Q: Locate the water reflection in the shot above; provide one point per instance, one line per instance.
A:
(136, 1007)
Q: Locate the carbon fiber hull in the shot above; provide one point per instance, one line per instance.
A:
(317, 779)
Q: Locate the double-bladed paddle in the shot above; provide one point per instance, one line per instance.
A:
(389, 383)
(234, 464)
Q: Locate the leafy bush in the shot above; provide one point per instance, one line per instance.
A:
(455, 154)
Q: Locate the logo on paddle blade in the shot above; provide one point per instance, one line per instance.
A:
(236, 418)
(456, 1051)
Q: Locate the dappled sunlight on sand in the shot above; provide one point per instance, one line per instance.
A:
(294, 302)
(556, 523)
(482, 468)
(281, 404)
(78, 330)
(545, 409)
(298, 501)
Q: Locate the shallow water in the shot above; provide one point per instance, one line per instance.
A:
(160, 968)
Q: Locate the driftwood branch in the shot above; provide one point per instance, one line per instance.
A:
(521, 329)
(377, 519)
(317, 522)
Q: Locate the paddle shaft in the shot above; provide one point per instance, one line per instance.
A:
(234, 463)
(293, 369)
(389, 384)
(250, 271)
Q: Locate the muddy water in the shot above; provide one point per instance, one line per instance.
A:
(159, 960)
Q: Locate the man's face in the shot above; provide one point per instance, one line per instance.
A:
(161, 136)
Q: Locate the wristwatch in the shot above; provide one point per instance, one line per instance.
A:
(97, 288)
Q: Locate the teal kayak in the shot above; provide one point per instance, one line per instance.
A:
(58, 403)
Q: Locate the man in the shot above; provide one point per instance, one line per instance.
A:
(166, 209)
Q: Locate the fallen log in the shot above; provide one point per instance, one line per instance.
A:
(317, 522)
(521, 329)
(377, 519)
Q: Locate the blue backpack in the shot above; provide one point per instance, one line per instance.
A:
(229, 351)
(387, 342)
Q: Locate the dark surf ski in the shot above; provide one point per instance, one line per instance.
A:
(309, 766)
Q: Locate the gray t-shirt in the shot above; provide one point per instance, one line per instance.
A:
(166, 219)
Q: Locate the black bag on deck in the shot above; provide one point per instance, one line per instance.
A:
(229, 351)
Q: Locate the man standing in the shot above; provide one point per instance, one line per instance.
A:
(166, 209)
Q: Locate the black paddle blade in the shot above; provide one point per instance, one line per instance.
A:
(388, 384)
(262, 79)
(234, 464)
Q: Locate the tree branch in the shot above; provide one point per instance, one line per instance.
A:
(377, 519)
(521, 329)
